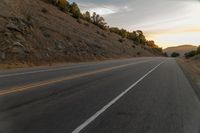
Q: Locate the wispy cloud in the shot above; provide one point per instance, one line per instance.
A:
(99, 9)
(103, 9)
(152, 16)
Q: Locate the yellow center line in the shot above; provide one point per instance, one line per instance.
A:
(43, 83)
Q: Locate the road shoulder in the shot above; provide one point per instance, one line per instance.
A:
(191, 69)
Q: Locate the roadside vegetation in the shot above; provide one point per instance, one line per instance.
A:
(193, 53)
(175, 54)
(137, 37)
(45, 32)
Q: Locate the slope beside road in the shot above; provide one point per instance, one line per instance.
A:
(143, 95)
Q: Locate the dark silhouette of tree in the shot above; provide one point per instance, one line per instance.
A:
(175, 54)
(87, 16)
(62, 4)
(132, 36)
(74, 9)
(98, 20)
(141, 38)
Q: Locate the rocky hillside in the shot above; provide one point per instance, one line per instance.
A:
(35, 32)
(180, 49)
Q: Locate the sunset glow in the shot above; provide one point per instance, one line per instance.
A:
(167, 22)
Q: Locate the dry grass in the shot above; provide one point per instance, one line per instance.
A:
(54, 36)
(192, 69)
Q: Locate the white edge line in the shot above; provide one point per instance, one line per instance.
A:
(98, 113)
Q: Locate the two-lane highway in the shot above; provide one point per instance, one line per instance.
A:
(140, 95)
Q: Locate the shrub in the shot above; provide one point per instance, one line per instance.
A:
(175, 54)
(87, 16)
(99, 21)
(62, 4)
(190, 54)
(74, 9)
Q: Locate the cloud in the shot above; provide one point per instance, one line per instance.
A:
(152, 16)
(103, 8)
(99, 9)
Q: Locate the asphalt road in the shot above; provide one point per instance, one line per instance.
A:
(140, 95)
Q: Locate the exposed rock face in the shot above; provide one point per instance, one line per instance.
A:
(12, 41)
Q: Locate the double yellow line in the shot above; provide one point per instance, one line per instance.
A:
(44, 83)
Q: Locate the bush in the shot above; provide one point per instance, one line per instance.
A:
(63, 5)
(74, 9)
(175, 54)
(99, 21)
(87, 16)
(190, 54)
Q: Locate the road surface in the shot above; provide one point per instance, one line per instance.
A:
(140, 95)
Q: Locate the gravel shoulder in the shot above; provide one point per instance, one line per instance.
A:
(191, 68)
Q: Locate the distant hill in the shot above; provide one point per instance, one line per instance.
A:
(180, 49)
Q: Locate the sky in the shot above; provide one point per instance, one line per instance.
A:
(167, 22)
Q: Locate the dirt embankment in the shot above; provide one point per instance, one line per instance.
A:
(33, 32)
(191, 67)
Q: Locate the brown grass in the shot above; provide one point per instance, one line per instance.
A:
(53, 36)
(192, 69)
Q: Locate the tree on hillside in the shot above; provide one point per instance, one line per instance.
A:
(141, 38)
(123, 33)
(98, 20)
(87, 16)
(175, 54)
(62, 4)
(115, 30)
(190, 54)
(193, 53)
(132, 36)
(74, 9)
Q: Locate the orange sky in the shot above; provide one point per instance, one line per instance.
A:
(176, 37)
(167, 22)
